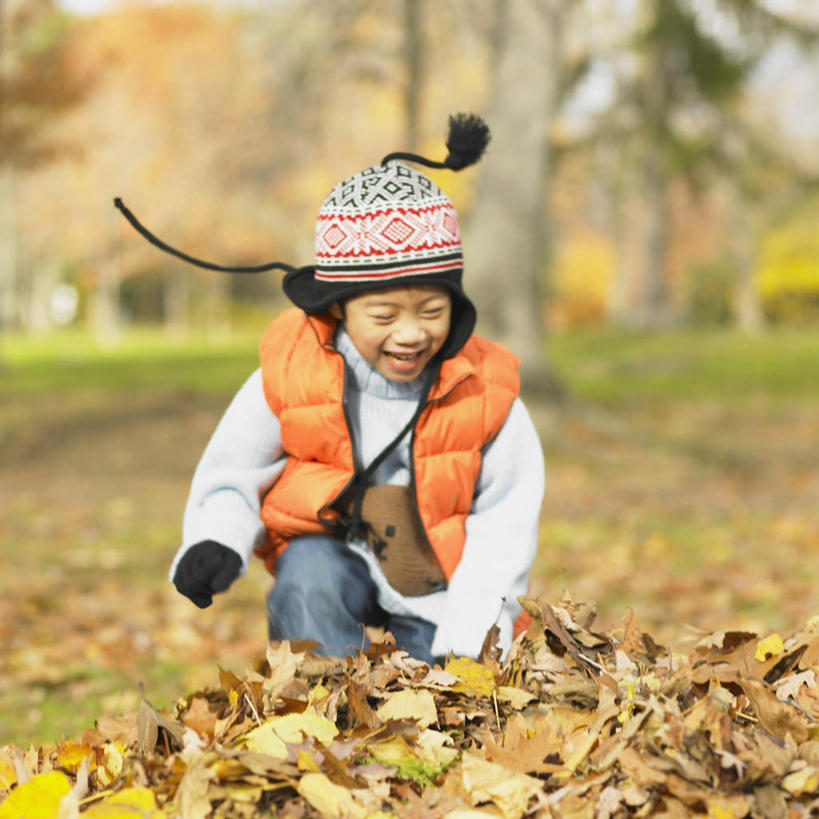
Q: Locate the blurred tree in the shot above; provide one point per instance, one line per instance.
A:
(35, 85)
(670, 121)
(179, 125)
(414, 57)
(505, 230)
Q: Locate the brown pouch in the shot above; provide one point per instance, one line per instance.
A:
(393, 532)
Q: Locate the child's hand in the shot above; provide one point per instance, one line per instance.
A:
(206, 568)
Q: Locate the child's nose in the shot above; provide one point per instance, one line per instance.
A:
(409, 331)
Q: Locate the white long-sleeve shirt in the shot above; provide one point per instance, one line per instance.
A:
(244, 457)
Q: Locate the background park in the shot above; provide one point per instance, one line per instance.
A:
(642, 231)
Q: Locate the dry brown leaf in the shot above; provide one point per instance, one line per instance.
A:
(200, 717)
(359, 708)
(149, 723)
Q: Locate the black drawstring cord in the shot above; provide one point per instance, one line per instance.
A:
(421, 160)
(356, 527)
(143, 231)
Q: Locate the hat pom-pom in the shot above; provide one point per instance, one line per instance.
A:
(467, 140)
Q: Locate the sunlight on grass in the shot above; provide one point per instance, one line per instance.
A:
(616, 366)
(143, 360)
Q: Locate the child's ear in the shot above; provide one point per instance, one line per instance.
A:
(335, 311)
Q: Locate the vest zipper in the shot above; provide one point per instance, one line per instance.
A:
(345, 407)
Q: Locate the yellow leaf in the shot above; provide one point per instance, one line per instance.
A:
(516, 697)
(317, 693)
(408, 704)
(271, 737)
(486, 781)
(392, 751)
(265, 740)
(329, 799)
(39, 798)
(70, 756)
(803, 781)
(111, 766)
(8, 777)
(305, 761)
(475, 677)
(436, 747)
(129, 803)
(771, 646)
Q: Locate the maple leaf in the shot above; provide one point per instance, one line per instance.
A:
(200, 717)
(283, 666)
(788, 687)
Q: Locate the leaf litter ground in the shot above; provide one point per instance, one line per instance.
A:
(575, 722)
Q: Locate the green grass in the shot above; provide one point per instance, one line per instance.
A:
(612, 366)
(601, 365)
(144, 360)
(39, 712)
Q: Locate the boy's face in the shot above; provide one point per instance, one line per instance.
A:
(398, 330)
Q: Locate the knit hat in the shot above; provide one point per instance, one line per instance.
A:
(386, 226)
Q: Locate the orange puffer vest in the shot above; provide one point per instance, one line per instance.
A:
(303, 379)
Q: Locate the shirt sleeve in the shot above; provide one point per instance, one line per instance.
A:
(242, 460)
(501, 540)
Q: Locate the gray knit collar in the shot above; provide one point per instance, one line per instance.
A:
(367, 378)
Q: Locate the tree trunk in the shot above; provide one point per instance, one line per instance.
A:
(106, 310)
(217, 306)
(656, 309)
(747, 309)
(176, 302)
(40, 286)
(655, 296)
(8, 249)
(504, 235)
(413, 51)
(748, 314)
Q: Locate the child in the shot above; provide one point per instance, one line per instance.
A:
(380, 461)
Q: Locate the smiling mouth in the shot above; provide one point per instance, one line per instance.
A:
(405, 356)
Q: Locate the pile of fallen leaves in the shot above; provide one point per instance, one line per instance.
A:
(573, 723)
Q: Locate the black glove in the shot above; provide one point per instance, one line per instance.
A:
(206, 568)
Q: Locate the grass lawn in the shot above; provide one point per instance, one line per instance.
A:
(681, 482)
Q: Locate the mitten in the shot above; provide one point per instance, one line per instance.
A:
(206, 568)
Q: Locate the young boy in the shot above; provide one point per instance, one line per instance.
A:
(380, 461)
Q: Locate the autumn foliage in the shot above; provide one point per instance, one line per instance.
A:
(573, 723)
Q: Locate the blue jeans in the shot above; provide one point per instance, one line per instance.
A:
(324, 592)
